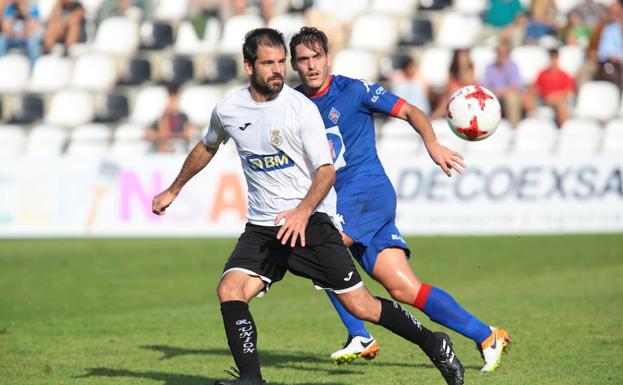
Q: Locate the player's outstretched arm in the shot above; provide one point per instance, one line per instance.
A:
(446, 158)
(296, 219)
(198, 158)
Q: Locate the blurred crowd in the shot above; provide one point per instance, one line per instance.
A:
(595, 26)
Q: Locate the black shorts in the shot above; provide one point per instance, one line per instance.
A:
(324, 259)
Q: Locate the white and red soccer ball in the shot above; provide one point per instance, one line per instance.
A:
(473, 113)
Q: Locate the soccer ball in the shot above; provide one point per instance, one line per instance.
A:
(473, 113)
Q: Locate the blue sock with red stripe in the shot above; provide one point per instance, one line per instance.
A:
(355, 326)
(440, 307)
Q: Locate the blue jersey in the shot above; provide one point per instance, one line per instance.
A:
(346, 106)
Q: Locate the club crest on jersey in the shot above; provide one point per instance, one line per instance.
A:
(276, 138)
(334, 115)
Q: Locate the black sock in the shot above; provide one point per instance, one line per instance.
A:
(399, 321)
(242, 338)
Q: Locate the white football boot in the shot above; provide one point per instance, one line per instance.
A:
(355, 347)
(493, 347)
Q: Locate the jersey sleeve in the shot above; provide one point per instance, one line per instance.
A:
(377, 99)
(216, 132)
(313, 136)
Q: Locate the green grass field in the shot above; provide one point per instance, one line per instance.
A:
(145, 312)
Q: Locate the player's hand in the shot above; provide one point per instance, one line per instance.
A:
(161, 201)
(294, 226)
(447, 159)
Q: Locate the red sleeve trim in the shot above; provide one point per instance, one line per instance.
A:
(396, 109)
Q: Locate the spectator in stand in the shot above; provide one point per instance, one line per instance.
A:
(610, 48)
(407, 83)
(597, 22)
(590, 11)
(542, 21)
(515, 33)
(576, 32)
(502, 13)
(554, 87)
(172, 132)
(502, 77)
(66, 25)
(21, 28)
(461, 74)
(137, 10)
(263, 8)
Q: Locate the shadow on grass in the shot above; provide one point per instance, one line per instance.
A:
(289, 359)
(167, 378)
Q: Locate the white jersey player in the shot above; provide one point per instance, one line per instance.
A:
(289, 171)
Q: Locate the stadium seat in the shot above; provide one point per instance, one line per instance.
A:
(156, 35)
(50, 73)
(535, 136)
(365, 33)
(415, 32)
(571, 59)
(133, 148)
(530, 60)
(148, 105)
(70, 108)
(177, 70)
(499, 143)
(299, 6)
(172, 10)
(117, 36)
(446, 137)
(45, 9)
(482, 56)
(579, 136)
(434, 5)
(356, 64)
(389, 63)
(435, 64)
(398, 8)
(12, 140)
(91, 8)
(46, 141)
(458, 30)
(113, 109)
(14, 73)
(470, 7)
(234, 30)
(220, 69)
(90, 140)
(94, 72)
(26, 109)
(188, 43)
(597, 100)
(136, 71)
(613, 137)
(129, 132)
(288, 24)
(198, 101)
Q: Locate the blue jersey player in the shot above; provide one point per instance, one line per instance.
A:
(367, 200)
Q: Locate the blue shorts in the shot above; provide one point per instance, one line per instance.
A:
(367, 207)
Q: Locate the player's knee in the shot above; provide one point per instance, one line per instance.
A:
(227, 290)
(404, 295)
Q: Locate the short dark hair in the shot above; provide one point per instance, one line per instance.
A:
(553, 52)
(309, 36)
(261, 36)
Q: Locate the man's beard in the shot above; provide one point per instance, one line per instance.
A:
(266, 89)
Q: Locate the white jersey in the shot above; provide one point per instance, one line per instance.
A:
(281, 143)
